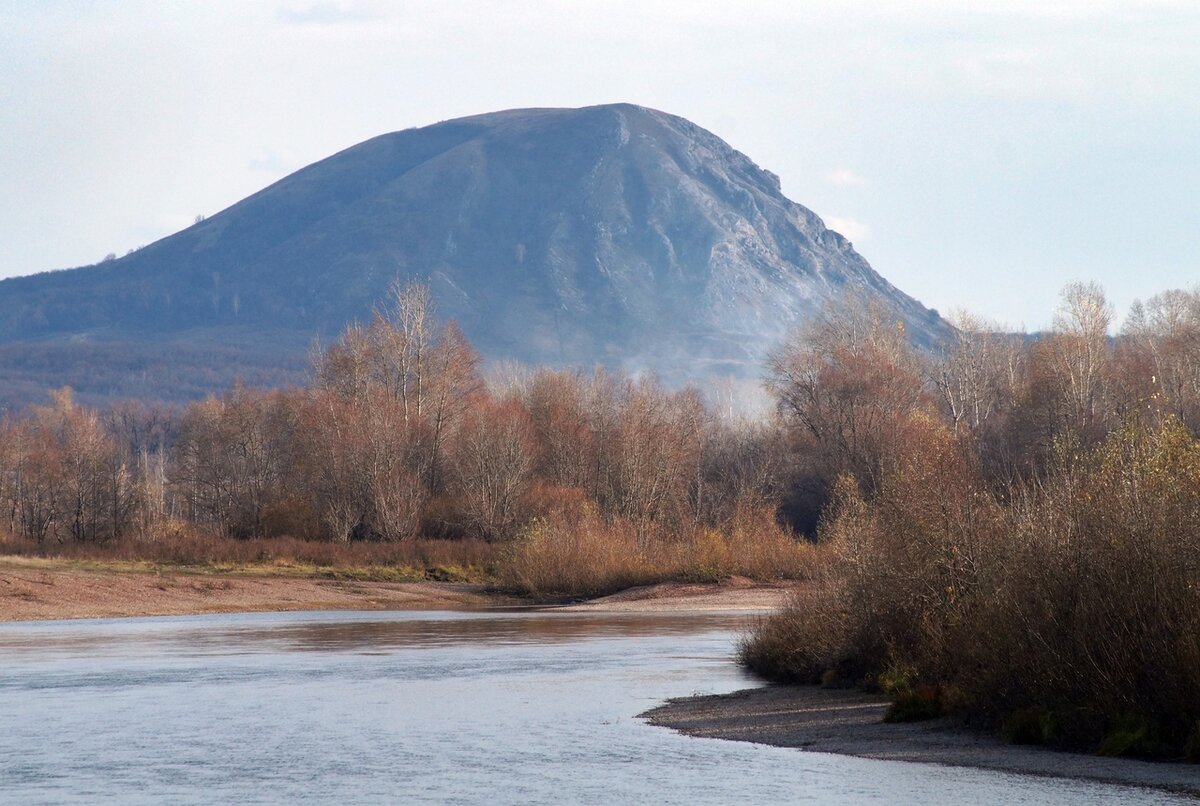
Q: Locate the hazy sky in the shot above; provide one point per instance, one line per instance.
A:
(979, 155)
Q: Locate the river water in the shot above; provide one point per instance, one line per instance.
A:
(416, 707)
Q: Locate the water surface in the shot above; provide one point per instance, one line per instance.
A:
(416, 707)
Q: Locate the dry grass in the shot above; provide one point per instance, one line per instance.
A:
(586, 555)
(185, 549)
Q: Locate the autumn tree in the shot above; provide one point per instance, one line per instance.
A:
(230, 459)
(979, 376)
(741, 469)
(561, 412)
(32, 482)
(64, 476)
(144, 434)
(844, 386)
(428, 372)
(492, 465)
(651, 446)
(977, 373)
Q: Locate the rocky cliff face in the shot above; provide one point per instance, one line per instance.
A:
(612, 234)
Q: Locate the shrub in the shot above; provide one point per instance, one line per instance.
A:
(1030, 725)
(916, 705)
(803, 642)
(1192, 749)
(577, 552)
(1074, 597)
(576, 556)
(1133, 736)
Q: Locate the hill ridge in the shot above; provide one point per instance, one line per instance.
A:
(613, 234)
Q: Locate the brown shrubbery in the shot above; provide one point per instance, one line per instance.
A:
(1035, 567)
(1077, 601)
(577, 555)
(586, 555)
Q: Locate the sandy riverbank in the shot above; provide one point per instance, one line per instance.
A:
(738, 594)
(35, 589)
(851, 723)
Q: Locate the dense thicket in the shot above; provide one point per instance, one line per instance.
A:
(1014, 528)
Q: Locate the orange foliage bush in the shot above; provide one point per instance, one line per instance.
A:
(584, 554)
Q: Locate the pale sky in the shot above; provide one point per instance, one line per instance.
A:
(979, 155)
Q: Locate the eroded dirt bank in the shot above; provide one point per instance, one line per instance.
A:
(851, 723)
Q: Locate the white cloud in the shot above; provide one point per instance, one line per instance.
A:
(853, 230)
(844, 178)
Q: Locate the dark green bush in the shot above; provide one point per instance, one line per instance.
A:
(1133, 736)
(916, 705)
(1192, 749)
(1030, 725)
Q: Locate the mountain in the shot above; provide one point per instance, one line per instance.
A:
(609, 234)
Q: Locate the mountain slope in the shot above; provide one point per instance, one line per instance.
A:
(613, 234)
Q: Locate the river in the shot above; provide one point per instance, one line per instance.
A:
(417, 707)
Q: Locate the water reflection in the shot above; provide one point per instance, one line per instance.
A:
(345, 632)
(528, 629)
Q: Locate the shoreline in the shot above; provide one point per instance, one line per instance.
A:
(848, 722)
(844, 722)
(45, 590)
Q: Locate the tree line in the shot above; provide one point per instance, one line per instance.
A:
(397, 435)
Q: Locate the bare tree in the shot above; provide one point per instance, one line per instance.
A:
(230, 459)
(1167, 329)
(429, 372)
(975, 377)
(1080, 349)
(843, 386)
(648, 460)
(493, 461)
(64, 476)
